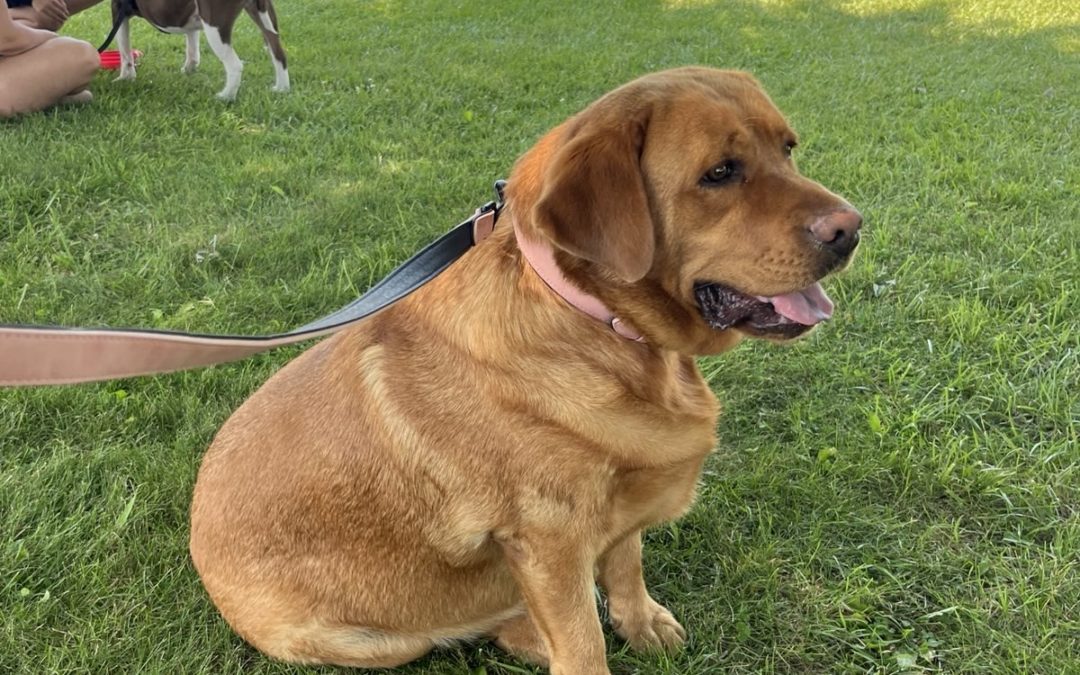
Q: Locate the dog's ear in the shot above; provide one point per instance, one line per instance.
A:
(593, 202)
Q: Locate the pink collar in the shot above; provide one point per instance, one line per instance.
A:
(542, 259)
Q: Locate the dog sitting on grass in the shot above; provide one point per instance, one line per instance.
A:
(473, 460)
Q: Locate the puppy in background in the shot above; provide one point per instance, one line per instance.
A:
(216, 18)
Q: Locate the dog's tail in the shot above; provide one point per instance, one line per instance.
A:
(124, 10)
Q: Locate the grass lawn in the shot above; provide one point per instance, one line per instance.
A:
(899, 493)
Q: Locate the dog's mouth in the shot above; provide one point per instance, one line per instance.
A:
(782, 316)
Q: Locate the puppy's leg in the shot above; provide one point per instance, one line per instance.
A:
(635, 616)
(191, 55)
(127, 59)
(265, 18)
(219, 37)
(555, 575)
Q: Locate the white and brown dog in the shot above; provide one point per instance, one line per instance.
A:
(216, 18)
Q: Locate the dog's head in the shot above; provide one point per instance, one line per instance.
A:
(675, 199)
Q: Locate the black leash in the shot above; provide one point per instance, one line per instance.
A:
(124, 10)
(424, 266)
(42, 355)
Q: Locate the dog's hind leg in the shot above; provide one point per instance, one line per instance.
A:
(127, 59)
(519, 637)
(323, 642)
(263, 14)
(191, 55)
(218, 27)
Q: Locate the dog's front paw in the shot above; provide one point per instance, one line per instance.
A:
(189, 67)
(126, 74)
(648, 627)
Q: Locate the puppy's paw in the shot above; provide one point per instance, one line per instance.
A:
(648, 627)
(226, 95)
(189, 67)
(126, 75)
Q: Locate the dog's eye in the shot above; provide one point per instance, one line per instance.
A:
(788, 147)
(724, 172)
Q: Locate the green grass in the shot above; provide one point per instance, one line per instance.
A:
(900, 493)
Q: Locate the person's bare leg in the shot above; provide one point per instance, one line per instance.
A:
(30, 17)
(46, 75)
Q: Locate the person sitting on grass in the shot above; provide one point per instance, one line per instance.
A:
(39, 69)
(46, 14)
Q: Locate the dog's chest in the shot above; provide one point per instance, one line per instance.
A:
(662, 461)
(648, 496)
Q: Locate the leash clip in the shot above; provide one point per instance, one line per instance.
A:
(486, 216)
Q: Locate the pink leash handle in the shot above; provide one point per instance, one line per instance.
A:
(41, 356)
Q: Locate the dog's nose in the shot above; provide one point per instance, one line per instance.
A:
(838, 231)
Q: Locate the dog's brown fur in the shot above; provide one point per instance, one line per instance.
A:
(469, 461)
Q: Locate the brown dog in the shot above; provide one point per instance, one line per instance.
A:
(471, 461)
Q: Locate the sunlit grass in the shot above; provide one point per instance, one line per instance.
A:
(897, 494)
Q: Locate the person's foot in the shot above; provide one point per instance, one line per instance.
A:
(78, 97)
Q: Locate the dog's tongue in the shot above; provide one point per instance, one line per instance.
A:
(808, 306)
